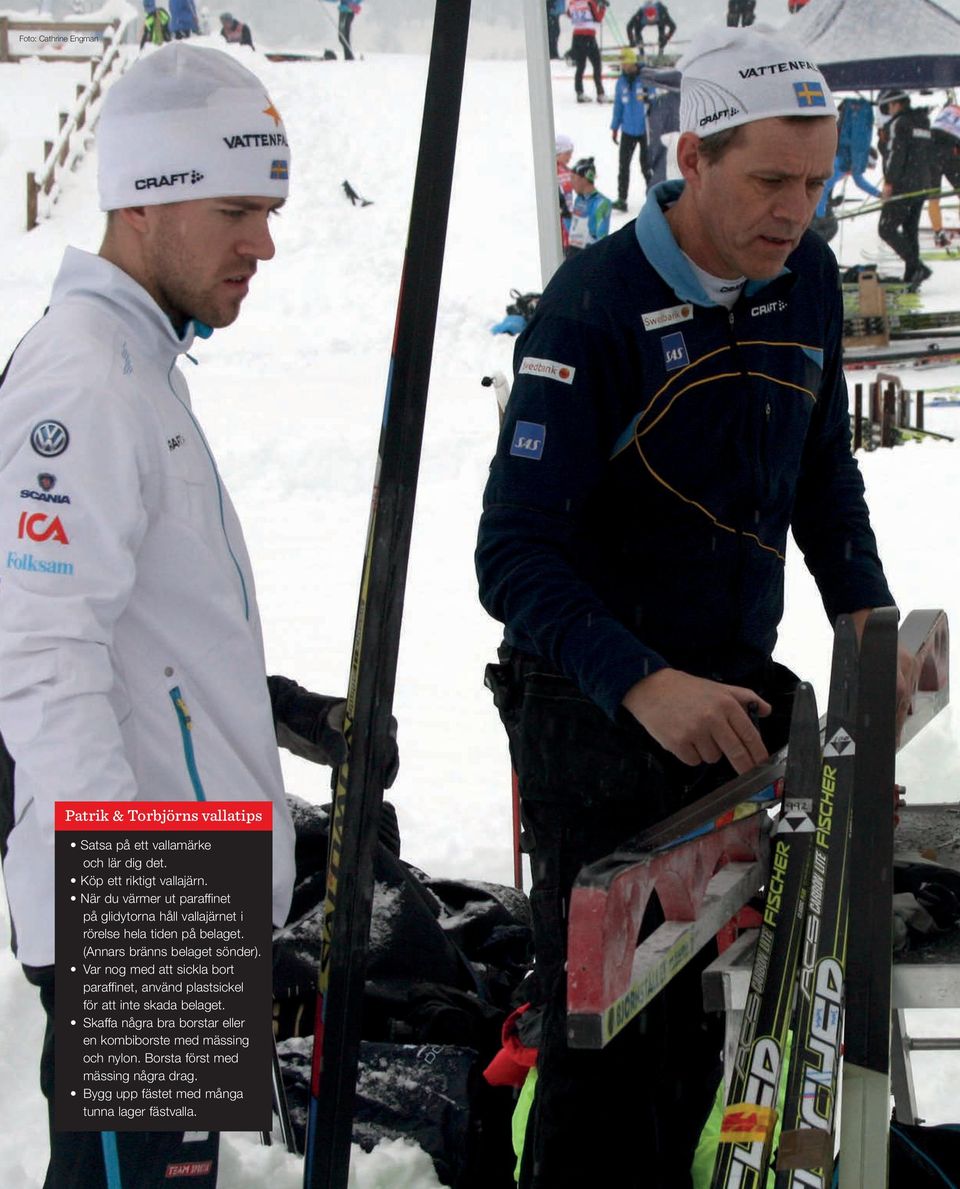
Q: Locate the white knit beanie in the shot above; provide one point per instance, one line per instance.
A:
(184, 123)
(735, 76)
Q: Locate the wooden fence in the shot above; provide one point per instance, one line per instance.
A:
(885, 421)
(61, 155)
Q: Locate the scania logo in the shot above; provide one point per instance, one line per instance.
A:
(49, 438)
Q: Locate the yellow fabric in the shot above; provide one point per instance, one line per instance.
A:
(705, 1156)
(521, 1112)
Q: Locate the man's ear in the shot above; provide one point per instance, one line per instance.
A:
(134, 217)
(689, 160)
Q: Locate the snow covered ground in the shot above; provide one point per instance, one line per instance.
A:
(291, 398)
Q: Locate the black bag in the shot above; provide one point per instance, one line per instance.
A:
(523, 304)
(444, 959)
(924, 1157)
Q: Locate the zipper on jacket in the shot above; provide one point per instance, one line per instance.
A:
(186, 726)
(216, 475)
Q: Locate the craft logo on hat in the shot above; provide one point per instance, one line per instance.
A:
(170, 126)
(735, 76)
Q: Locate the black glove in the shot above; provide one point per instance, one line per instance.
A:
(311, 726)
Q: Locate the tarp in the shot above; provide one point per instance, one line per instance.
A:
(864, 45)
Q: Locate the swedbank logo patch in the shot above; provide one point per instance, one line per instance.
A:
(548, 369)
(668, 317)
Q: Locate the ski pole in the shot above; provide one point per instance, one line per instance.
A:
(358, 796)
(869, 207)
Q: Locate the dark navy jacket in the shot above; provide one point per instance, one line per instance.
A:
(655, 451)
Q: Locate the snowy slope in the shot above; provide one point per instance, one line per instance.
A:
(291, 399)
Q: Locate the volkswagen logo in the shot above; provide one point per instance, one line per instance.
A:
(49, 438)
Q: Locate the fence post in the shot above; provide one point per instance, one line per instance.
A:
(920, 409)
(81, 117)
(32, 188)
(4, 39)
(904, 405)
(887, 436)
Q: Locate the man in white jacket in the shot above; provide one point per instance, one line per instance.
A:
(126, 595)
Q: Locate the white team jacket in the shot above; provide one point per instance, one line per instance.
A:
(126, 597)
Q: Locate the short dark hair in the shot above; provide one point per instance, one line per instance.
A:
(714, 146)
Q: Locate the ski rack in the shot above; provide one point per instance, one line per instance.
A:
(704, 863)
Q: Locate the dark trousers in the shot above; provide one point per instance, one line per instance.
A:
(741, 12)
(627, 144)
(144, 1157)
(948, 157)
(899, 227)
(629, 1115)
(585, 49)
(553, 32)
(346, 20)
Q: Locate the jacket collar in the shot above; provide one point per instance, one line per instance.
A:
(661, 249)
(86, 277)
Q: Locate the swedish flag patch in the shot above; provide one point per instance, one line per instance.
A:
(810, 94)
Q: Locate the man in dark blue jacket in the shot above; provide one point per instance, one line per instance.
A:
(678, 407)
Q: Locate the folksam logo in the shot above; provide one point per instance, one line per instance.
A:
(528, 440)
(26, 561)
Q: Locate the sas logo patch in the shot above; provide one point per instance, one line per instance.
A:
(528, 440)
(674, 351)
(548, 369)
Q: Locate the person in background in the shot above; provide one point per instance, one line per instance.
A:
(555, 10)
(586, 17)
(854, 137)
(183, 19)
(234, 31)
(348, 9)
(590, 218)
(908, 167)
(678, 409)
(629, 123)
(663, 124)
(564, 147)
(740, 12)
(156, 24)
(946, 156)
(651, 15)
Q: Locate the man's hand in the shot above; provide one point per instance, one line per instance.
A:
(311, 726)
(697, 720)
(614, 133)
(886, 190)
